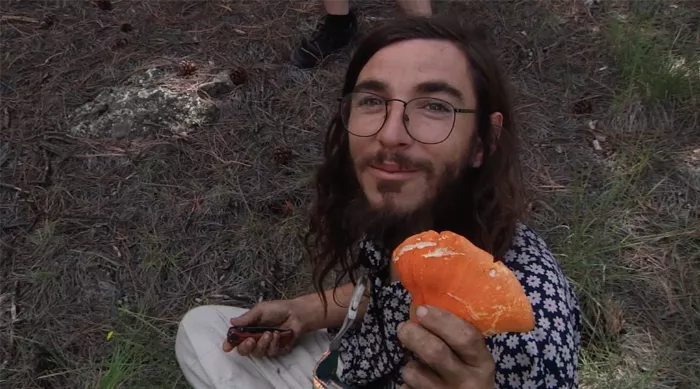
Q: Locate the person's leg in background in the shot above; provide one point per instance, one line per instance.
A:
(333, 33)
(416, 7)
(338, 27)
(198, 349)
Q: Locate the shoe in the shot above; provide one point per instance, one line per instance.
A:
(326, 40)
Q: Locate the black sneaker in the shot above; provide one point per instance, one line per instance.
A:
(331, 35)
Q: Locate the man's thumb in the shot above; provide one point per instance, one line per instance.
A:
(250, 317)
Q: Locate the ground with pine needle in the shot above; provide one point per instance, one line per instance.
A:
(106, 242)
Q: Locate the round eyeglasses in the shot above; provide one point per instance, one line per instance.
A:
(427, 120)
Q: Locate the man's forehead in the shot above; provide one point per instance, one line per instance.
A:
(427, 87)
(423, 65)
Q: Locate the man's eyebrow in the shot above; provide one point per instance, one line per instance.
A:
(430, 87)
(371, 85)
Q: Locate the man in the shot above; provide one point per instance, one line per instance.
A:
(338, 28)
(423, 139)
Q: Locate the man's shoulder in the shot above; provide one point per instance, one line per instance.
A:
(543, 279)
(529, 253)
(548, 354)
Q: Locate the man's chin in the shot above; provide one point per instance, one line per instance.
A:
(391, 204)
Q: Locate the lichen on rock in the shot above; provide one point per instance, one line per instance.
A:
(124, 111)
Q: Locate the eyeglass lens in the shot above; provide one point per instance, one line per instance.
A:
(427, 120)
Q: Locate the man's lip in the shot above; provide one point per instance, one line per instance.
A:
(391, 168)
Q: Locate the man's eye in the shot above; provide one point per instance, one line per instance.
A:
(370, 101)
(437, 106)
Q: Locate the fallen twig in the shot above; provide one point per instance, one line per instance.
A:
(6, 118)
(13, 320)
(18, 18)
(12, 187)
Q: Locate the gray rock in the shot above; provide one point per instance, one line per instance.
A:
(124, 111)
(149, 78)
(220, 85)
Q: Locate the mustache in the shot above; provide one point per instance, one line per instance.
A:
(404, 162)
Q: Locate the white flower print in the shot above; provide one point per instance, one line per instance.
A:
(550, 305)
(500, 337)
(540, 334)
(514, 380)
(510, 256)
(529, 233)
(548, 289)
(550, 352)
(508, 362)
(535, 268)
(565, 353)
(522, 359)
(524, 259)
(533, 250)
(371, 339)
(563, 307)
(543, 322)
(512, 341)
(394, 303)
(496, 352)
(500, 378)
(550, 381)
(556, 337)
(535, 298)
(518, 274)
(552, 277)
(533, 281)
(559, 323)
(531, 348)
(529, 384)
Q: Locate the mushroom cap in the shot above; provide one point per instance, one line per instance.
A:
(448, 271)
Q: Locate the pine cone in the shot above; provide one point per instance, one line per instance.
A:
(104, 5)
(582, 107)
(280, 208)
(283, 155)
(239, 75)
(187, 68)
(47, 21)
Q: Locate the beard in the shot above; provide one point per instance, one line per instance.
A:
(448, 206)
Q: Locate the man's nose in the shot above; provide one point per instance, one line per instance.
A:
(393, 133)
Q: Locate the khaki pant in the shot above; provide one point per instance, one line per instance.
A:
(205, 365)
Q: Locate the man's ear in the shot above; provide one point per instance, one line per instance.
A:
(496, 126)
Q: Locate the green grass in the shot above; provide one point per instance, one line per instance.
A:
(654, 64)
(140, 352)
(625, 260)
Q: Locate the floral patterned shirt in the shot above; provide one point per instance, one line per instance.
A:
(546, 357)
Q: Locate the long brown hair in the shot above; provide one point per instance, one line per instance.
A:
(495, 190)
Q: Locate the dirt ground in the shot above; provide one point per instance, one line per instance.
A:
(106, 243)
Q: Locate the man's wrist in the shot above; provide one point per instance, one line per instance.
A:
(310, 311)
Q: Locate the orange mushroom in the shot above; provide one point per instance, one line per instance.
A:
(447, 271)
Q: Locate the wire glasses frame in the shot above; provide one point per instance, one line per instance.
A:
(429, 112)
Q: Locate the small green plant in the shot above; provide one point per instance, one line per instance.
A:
(650, 65)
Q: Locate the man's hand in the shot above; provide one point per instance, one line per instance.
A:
(450, 352)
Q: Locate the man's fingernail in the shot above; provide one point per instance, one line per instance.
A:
(421, 311)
